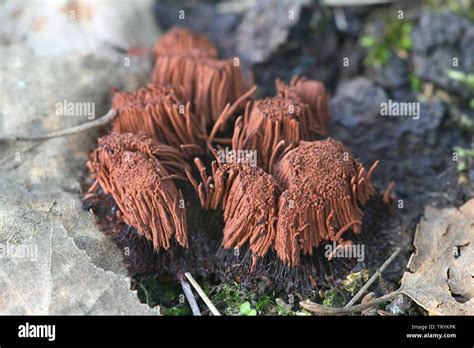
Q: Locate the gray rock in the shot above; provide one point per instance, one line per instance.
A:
(265, 27)
(357, 102)
(53, 257)
(431, 116)
(437, 39)
(218, 23)
(424, 130)
(393, 76)
(64, 27)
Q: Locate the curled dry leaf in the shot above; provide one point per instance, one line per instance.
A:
(441, 271)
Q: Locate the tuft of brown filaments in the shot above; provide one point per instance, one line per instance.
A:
(313, 94)
(298, 112)
(138, 171)
(248, 196)
(210, 84)
(159, 113)
(325, 188)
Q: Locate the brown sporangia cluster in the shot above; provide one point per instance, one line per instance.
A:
(298, 112)
(161, 114)
(300, 193)
(209, 83)
(325, 188)
(156, 128)
(314, 193)
(315, 96)
(248, 196)
(188, 62)
(138, 171)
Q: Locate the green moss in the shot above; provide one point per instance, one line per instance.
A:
(264, 303)
(355, 281)
(466, 123)
(247, 310)
(182, 309)
(230, 297)
(395, 37)
(338, 296)
(463, 8)
(282, 308)
(415, 82)
(156, 291)
(466, 79)
(464, 163)
(334, 298)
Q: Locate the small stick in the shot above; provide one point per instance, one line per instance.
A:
(147, 298)
(349, 307)
(323, 310)
(190, 296)
(373, 278)
(202, 294)
(108, 117)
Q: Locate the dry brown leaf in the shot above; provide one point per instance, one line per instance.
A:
(441, 271)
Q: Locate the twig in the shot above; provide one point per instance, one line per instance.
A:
(22, 151)
(349, 307)
(202, 294)
(109, 116)
(147, 298)
(373, 278)
(190, 296)
(323, 310)
(340, 18)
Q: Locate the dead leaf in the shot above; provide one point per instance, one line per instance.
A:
(441, 271)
